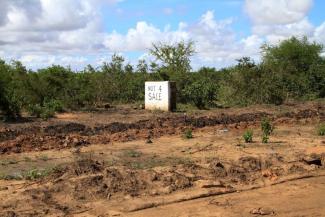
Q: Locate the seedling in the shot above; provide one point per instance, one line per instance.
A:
(248, 136)
(188, 134)
(321, 129)
(267, 129)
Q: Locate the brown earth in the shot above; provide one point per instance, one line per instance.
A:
(125, 162)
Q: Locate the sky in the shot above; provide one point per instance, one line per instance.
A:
(76, 33)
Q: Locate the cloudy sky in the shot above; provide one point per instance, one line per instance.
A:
(80, 32)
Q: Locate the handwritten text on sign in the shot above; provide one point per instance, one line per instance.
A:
(155, 93)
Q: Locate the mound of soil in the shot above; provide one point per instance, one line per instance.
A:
(67, 135)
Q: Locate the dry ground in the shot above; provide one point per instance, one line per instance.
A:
(104, 164)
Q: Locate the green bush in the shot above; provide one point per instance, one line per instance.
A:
(44, 112)
(47, 113)
(35, 110)
(267, 129)
(54, 105)
(248, 136)
(201, 93)
(47, 110)
(188, 134)
(321, 129)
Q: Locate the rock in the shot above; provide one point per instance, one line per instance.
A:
(209, 184)
(262, 211)
(219, 202)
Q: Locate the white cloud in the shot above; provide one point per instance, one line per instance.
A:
(70, 32)
(276, 20)
(142, 36)
(39, 30)
(320, 33)
(272, 12)
(215, 41)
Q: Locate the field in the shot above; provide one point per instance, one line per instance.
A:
(124, 161)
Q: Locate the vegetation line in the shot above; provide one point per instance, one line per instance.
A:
(291, 70)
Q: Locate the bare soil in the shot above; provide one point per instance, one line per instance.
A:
(126, 162)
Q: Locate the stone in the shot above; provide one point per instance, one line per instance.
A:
(209, 184)
(262, 211)
(160, 95)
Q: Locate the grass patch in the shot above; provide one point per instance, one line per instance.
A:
(27, 159)
(248, 136)
(132, 153)
(43, 157)
(14, 176)
(321, 129)
(33, 174)
(8, 162)
(188, 134)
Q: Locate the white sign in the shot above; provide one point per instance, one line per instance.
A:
(158, 95)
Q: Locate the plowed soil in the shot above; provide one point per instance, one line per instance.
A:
(126, 162)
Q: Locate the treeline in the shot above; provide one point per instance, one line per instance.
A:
(293, 69)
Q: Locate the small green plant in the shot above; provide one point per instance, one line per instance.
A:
(133, 153)
(28, 159)
(43, 157)
(267, 129)
(37, 173)
(321, 129)
(248, 136)
(188, 134)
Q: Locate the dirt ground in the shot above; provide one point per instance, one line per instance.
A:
(131, 162)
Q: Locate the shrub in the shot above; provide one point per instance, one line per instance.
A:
(248, 136)
(321, 129)
(35, 110)
(47, 113)
(201, 93)
(54, 105)
(36, 174)
(267, 129)
(188, 134)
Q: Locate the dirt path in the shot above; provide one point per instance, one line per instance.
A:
(292, 199)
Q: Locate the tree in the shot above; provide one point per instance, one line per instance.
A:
(175, 60)
(294, 61)
(13, 80)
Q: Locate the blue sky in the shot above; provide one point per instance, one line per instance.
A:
(80, 32)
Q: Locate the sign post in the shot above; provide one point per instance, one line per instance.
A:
(160, 95)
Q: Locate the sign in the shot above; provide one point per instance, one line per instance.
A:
(160, 95)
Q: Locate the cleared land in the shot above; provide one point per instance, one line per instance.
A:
(127, 162)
